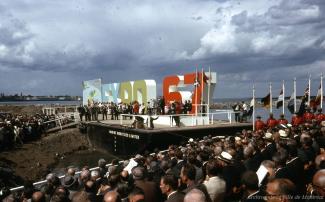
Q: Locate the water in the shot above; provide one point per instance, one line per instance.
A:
(54, 102)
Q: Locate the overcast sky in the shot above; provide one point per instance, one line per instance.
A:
(48, 47)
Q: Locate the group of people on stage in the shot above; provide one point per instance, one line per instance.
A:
(92, 111)
(242, 111)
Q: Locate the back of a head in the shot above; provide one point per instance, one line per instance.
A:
(94, 174)
(248, 151)
(170, 180)
(71, 171)
(214, 167)
(38, 197)
(268, 164)
(250, 180)
(189, 171)
(136, 195)
(138, 173)
(292, 148)
(178, 154)
(280, 158)
(101, 163)
(195, 195)
(112, 196)
(85, 175)
(113, 180)
(80, 196)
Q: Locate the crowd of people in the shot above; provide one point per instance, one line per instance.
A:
(15, 129)
(92, 111)
(280, 161)
(242, 111)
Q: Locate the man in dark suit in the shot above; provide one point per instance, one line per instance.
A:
(151, 191)
(168, 186)
(270, 147)
(280, 159)
(295, 167)
(250, 185)
(188, 173)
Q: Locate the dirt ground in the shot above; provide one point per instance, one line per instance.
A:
(21, 109)
(36, 159)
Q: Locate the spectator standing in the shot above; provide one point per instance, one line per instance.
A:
(169, 187)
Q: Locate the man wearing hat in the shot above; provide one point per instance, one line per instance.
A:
(308, 115)
(282, 120)
(297, 119)
(70, 183)
(259, 124)
(150, 189)
(271, 121)
(270, 147)
(320, 116)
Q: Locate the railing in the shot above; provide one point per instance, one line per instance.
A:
(222, 112)
(64, 110)
(40, 183)
(58, 120)
(196, 120)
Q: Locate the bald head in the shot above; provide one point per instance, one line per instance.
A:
(319, 178)
(112, 196)
(85, 175)
(71, 171)
(38, 197)
(320, 160)
(280, 188)
(195, 195)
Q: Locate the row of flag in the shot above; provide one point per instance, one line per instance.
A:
(293, 103)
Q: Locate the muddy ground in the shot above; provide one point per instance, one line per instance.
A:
(21, 109)
(36, 159)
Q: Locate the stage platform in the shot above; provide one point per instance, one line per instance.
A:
(121, 138)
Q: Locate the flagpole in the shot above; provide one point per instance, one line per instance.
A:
(321, 91)
(202, 91)
(271, 97)
(253, 107)
(196, 80)
(309, 90)
(283, 93)
(295, 96)
(209, 90)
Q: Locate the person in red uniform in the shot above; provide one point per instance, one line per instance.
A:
(297, 119)
(308, 115)
(259, 124)
(320, 116)
(282, 120)
(271, 121)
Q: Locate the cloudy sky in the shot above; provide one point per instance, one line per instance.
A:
(49, 47)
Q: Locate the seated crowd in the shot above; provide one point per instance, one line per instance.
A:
(280, 163)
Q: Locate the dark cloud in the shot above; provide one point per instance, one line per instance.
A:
(59, 44)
